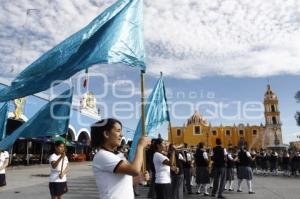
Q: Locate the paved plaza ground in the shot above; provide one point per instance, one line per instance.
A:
(32, 183)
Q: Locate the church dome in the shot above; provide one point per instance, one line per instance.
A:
(197, 119)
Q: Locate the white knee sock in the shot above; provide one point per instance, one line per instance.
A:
(249, 183)
(199, 189)
(230, 184)
(239, 184)
(206, 188)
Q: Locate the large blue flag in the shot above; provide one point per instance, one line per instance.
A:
(156, 113)
(52, 119)
(3, 120)
(115, 36)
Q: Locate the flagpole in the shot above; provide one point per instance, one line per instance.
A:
(143, 116)
(171, 136)
(62, 164)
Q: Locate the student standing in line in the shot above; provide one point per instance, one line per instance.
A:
(230, 169)
(58, 179)
(245, 171)
(202, 172)
(219, 157)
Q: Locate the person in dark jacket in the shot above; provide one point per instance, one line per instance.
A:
(286, 163)
(177, 177)
(219, 157)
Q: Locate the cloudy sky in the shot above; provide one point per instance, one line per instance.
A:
(196, 43)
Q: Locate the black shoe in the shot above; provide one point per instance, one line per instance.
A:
(198, 192)
(206, 194)
(190, 193)
(213, 195)
(239, 191)
(220, 196)
(230, 190)
(251, 192)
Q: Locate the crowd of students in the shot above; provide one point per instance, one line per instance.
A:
(173, 169)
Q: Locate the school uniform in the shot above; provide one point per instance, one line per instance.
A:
(230, 168)
(286, 164)
(177, 178)
(187, 171)
(110, 184)
(162, 176)
(219, 155)
(202, 172)
(274, 163)
(264, 163)
(245, 171)
(57, 186)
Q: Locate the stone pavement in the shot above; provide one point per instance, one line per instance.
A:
(32, 183)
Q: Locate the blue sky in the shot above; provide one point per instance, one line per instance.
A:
(230, 48)
(183, 96)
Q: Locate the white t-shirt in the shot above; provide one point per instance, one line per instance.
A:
(162, 172)
(111, 185)
(3, 157)
(54, 172)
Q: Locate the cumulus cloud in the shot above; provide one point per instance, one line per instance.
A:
(192, 38)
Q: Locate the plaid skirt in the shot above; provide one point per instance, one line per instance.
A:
(2, 180)
(229, 174)
(245, 173)
(202, 175)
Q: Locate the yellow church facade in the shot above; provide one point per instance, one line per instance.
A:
(197, 129)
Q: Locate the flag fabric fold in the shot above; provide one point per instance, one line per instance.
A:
(52, 119)
(115, 36)
(3, 120)
(156, 113)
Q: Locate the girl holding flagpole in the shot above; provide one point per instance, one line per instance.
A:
(58, 179)
(163, 166)
(113, 173)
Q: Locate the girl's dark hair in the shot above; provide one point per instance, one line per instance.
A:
(58, 143)
(98, 129)
(158, 141)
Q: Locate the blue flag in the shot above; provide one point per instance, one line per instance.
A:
(156, 113)
(52, 119)
(115, 36)
(3, 120)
